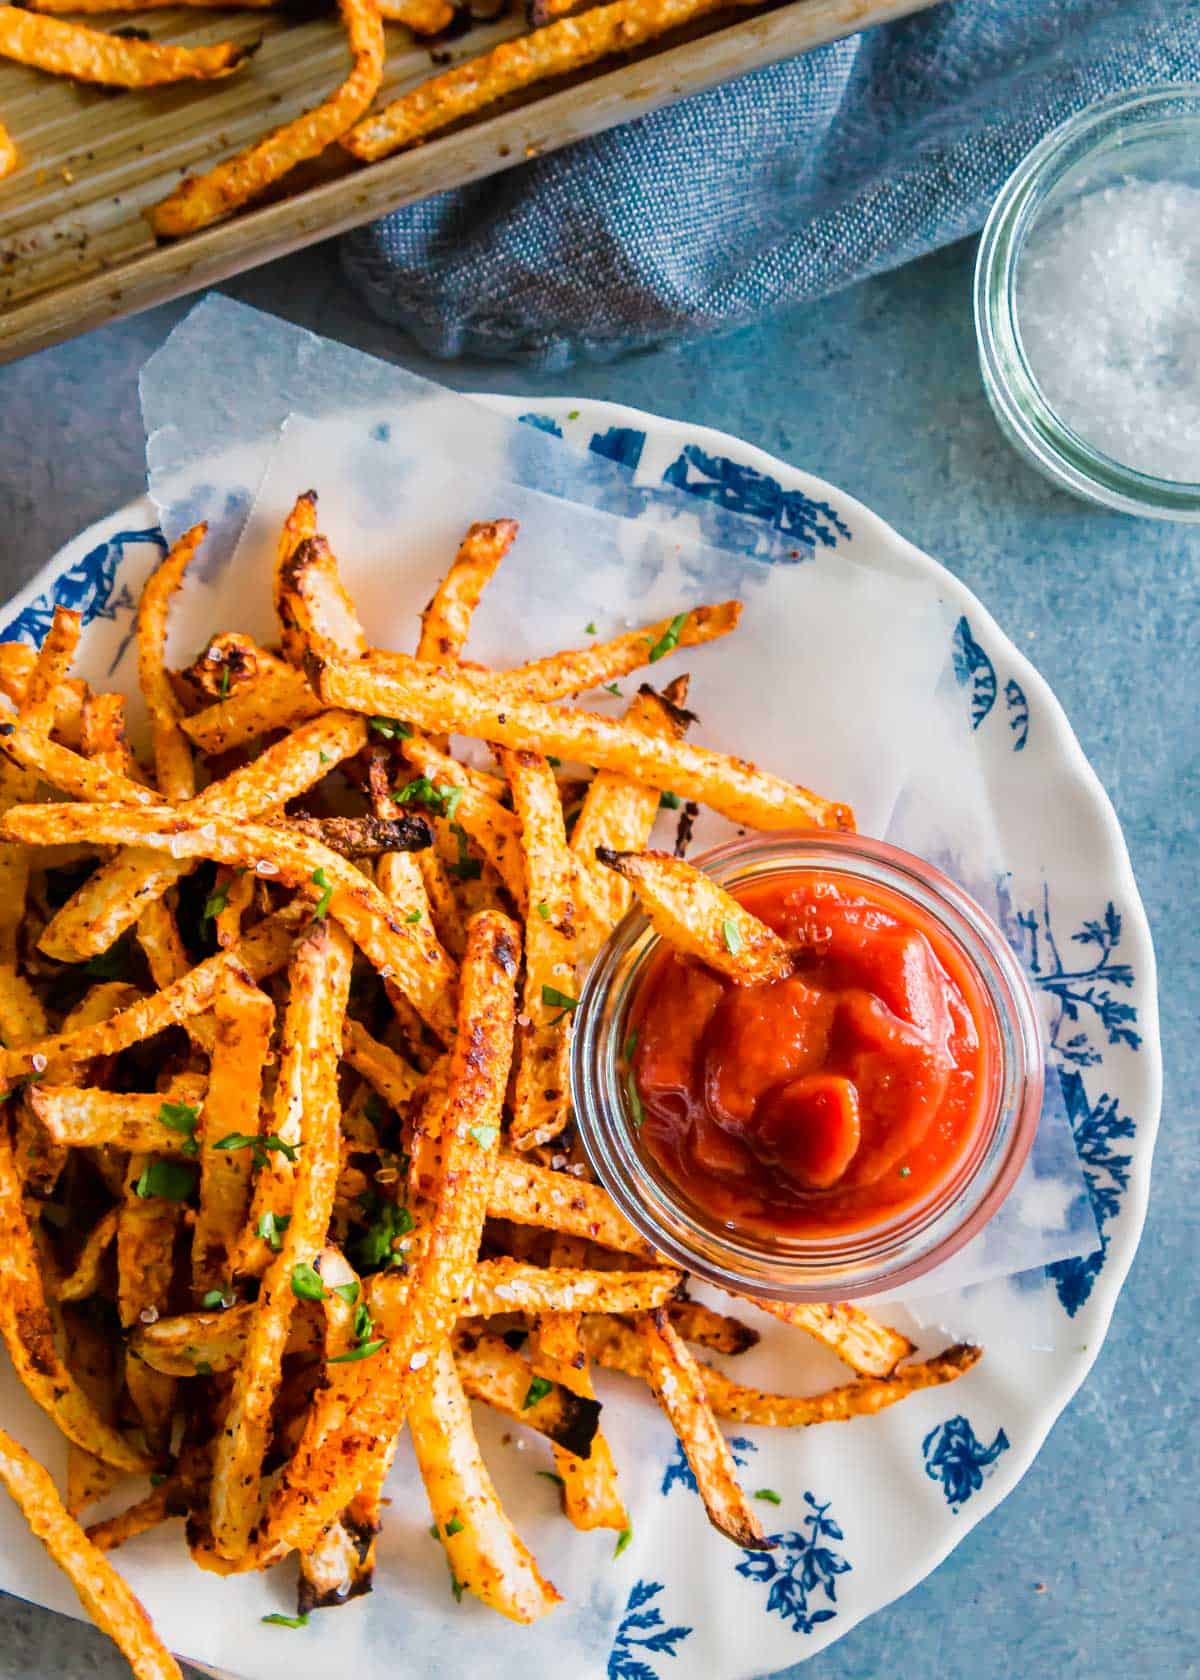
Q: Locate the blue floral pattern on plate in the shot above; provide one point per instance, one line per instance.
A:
(88, 588)
(679, 1470)
(642, 1632)
(802, 1566)
(956, 1457)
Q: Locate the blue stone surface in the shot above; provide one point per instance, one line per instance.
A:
(1087, 1571)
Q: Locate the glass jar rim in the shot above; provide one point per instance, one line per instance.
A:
(850, 1265)
(1020, 406)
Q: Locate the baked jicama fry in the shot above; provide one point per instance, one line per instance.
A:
(447, 619)
(868, 1347)
(9, 157)
(88, 55)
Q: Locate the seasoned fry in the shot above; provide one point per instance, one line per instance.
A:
(495, 831)
(697, 1323)
(174, 771)
(102, 1592)
(389, 1074)
(204, 199)
(467, 703)
(423, 17)
(28, 1333)
(91, 1360)
(699, 918)
(676, 1383)
(299, 526)
(312, 1032)
(498, 1286)
(102, 734)
(87, 55)
(483, 1549)
(158, 1505)
(541, 1101)
(579, 669)
(319, 1481)
(101, 910)
(868, 1347)
(278, 698)
(407, 956)
(364, 837)
(532, 1195)
(492, 1371)
(84, 1278)
(9, 157)
(146, 1231)
(80, 1115)
(229, 663)
(554, 51)
(314, 606)
(447, 619)
(89, 778)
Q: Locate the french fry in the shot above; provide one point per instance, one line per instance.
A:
(554, 1201)
(278, 698)
(9, 157)
(84, 1277)
(408, 957)
(446, 621)
(364, 837)
(100, 911)
(541, 1100)
(299, 526)
(230, 662)
(102, 734)
(495, 831)
(492, 1371)
(90, 779)
(28, 1333)
(86, 55)
(467, 703)
(312, 1031)
(423, 17)
(499, 1286)
(700, 919)
(700, 1324)
(234, 893)
(144, 1514)
(620, 812)
(319, 1481)
(579, 669)
(102, 1592)
(204, 199)
(174, 771)
(79, 1115)
(554, 51)
(244, 1018)
(90, 1359)
(484, 1551)
(676, 1383)
(386, 1072)
(868, 1347)
(314, 606)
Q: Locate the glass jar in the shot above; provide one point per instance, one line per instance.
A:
(1150, 135)
(846, 1265)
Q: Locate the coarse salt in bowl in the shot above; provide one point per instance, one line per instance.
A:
(1087, 303)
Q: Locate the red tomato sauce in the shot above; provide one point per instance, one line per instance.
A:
(832, 1099)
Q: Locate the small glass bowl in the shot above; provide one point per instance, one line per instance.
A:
(1150, 134)
(844, 1266)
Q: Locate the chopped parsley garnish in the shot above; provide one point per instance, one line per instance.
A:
(112, 964)
(442, 797)
(590, 628)
(669, 801)
(552, 1476)
(454, 1526)
(320, 908)
(223, 685)
(347, 1292)
(413, 916)
(554, 999)
(391, 728)
(732, 935)
(203, 1368)
(306, 1282)
(216, 902)
(258, 1145)
(623, 1539)
(467, 868)
(485, 1136)
(630, 1045)
(573, 415)
(612, 688)
(905, 1172)
(277, 1620)
(538, 1389)
(271, 1227)
(214, 1298)
(635, 1098)
(669, 640)
(376, 1247)
(456, 1587)
(363, 1351)
(324, 758)
(554, 763)
(174, 1181)
(181, 1117)
(543, 910)
(769, 1494)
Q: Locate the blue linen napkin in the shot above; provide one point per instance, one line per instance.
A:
(778, 187)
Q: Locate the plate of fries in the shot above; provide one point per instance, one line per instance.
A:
(305, 1273)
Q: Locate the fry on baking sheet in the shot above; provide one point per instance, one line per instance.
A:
(88, 55)
(465, 702)
(678, 1386)
(9, 156)
(423, 17)
(204, 199)
(691, 912)
(102, 1592)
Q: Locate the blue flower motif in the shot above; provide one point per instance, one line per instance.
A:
(541, 423)
(801, 1566)
(1089, 987)
(679, 1470)
(729, 484)
(1106, 1172)
(622, 444)
(1018, 713)
(974, 670)
(956, 1457)
(86, 587)
(645, 1630)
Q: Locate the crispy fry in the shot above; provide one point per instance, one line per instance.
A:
(491, 1371)
(676, 1383)
(84, 1277)
(86, 1115)
(498, 1286)
(554, 51)
(87, 55)
(364, 837)
(318, 1483)
(9, 157)
(541, 1102)
(447, 619)
(204, 199)
(697, 1323)
(423, 17)
(407, 956)
(299, 526)
(579, 669)
(98, 913)
(868, 1347)
(314, 606)
(90, 1359)
(620, 812)
(554, 1201)
(467, 703)
(102, 732)
(700, 919)
(174, 771)
(484, 1551)
(147, 1513)
(228, 663)
(234, 891)
(244, 1018)
(28, 1333)
(278, 698)
(102, 1592)
(386, 1072)
(495, 831)
(312, 1032)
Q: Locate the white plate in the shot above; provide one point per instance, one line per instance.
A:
(874, 1506)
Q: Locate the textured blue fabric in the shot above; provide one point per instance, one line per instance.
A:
(778, 187)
